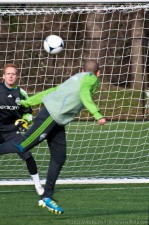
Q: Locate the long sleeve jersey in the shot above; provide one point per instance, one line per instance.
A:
(9, 110)
(65, 101)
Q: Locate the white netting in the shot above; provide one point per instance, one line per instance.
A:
(115, 35)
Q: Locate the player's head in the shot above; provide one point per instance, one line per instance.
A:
(10, 74)
(91, 66)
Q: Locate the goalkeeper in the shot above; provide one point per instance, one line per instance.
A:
(15, 119)
(61, 105)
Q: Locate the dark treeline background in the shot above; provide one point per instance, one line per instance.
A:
(117, 38)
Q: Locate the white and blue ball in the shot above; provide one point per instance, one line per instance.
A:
(53, 44)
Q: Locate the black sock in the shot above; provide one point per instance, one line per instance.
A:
(31, 165)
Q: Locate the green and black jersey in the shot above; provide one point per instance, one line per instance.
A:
(65, 101)
(9, 110)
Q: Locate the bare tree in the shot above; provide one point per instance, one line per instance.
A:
(137, 32)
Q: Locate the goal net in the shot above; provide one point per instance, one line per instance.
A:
(117, 36)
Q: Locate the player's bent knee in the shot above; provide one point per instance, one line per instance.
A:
(60, 160)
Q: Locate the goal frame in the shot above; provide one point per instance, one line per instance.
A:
(79, 181)
(70, 1)
(76, 181)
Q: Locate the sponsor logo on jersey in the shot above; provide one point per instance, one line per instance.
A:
(9, 107)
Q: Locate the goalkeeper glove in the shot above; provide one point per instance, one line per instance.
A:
(22, 125)
(28, 117)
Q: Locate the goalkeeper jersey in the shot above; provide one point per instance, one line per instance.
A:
(9, 110)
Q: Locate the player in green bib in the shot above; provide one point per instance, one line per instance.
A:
(61, 104)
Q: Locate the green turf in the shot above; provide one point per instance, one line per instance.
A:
(114, 150)
(83, 204)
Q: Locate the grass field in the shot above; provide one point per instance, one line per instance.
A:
(83, 204)
(115, 150)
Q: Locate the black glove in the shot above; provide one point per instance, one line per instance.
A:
(22, 125)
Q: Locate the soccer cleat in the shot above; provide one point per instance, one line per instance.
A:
(39, 190)
(50, 205)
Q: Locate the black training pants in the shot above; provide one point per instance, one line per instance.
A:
(44, 127)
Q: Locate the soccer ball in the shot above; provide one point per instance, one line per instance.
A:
(53, 44)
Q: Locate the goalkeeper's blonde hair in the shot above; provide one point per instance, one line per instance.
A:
(10, 65)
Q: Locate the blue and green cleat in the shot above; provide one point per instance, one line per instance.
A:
(50, 205)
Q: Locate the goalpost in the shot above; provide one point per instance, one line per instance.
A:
(116, 34)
